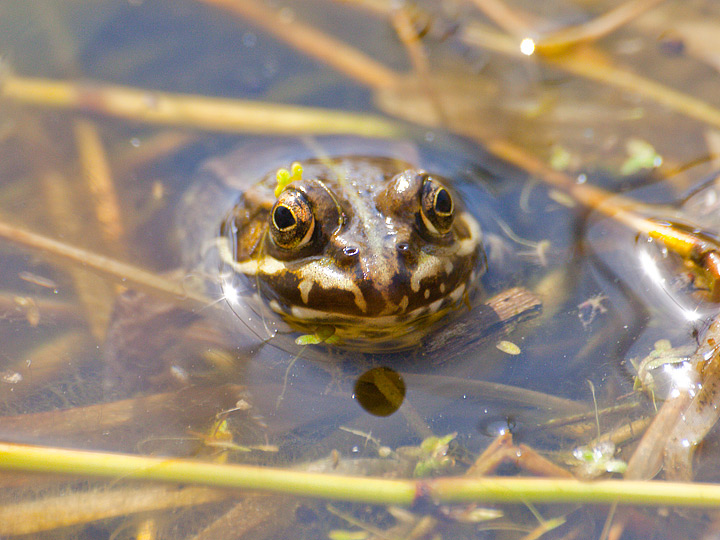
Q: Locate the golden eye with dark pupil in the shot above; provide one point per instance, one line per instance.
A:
(436, 207)
(283, 218)
(292, 220)
(443, 202)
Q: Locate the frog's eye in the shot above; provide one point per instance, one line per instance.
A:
(436, 207)
(291, 220)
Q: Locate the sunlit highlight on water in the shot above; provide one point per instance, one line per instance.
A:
(230, 292)
(683, 377)
(527, 46)
(649, 266)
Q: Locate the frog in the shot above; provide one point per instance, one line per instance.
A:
(371, 250)
(367, 247)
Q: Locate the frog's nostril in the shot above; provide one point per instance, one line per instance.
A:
(348, 255)
(406, 252)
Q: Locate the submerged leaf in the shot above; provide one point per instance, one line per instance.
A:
(642, 155)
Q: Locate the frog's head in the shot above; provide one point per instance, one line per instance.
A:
(372, 247)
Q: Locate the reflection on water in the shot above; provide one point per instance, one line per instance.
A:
(90, 362)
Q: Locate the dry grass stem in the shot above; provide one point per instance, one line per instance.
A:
(93, 292)
(98, 178)
(122, 273)
(77, 508)
(255, 515)
(198, 112)
(594, 29)
(383, 491)
(407, 34)
(196, 404)
(37, 311)
(444, 385)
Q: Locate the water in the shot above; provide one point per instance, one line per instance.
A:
(181, 375)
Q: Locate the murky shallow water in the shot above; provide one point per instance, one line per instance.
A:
(601, 307)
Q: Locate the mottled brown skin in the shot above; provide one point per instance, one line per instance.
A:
(388, 249)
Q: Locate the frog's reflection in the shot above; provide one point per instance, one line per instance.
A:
(380, 391)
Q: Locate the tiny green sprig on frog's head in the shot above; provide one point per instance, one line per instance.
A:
(284, 177)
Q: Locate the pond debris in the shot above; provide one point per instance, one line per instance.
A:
(433, 456)
(504, 450)
(703, 412)
(147, 529)
(591, 308)
(10, 377)
(598, 459)
(641, 155)
(220, 437)
(40, 281)
(323, 334)
(402, 21)
(560, 157)
(44, 363)
(342, 534)
(696, 247)
(508, 347)
(38, 310)
(682, 422)
(670, 365)
(30, 307)
(189, 407)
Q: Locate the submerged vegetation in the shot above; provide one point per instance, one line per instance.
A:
(583, 395)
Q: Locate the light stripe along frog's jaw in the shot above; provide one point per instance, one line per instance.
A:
(371, 269)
